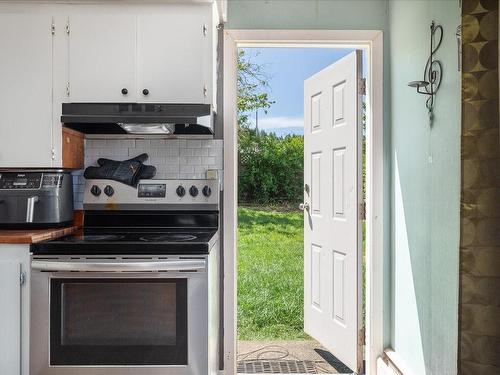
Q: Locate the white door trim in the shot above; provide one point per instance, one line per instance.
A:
(372, 42)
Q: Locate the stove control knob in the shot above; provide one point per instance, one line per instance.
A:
(193, 190)
(180, 191)
(109, 191)
(207, 191)
(95, 190)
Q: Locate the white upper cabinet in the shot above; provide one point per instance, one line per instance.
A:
(175, 57)
(166, 55)
(25, 90)
(102, 58)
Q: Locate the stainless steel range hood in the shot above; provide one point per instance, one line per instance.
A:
(138, 118)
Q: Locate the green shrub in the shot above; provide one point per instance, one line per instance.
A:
(271, 168)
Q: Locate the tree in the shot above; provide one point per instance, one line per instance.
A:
(270, 167)
(252, 88)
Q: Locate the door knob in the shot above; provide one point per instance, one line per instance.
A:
(124, 91)
(145, 92)
(304, 206)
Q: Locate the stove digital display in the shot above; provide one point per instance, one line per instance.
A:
(152, 190)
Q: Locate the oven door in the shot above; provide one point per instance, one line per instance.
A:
(119, 317)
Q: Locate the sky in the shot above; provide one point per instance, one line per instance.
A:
(287, 68)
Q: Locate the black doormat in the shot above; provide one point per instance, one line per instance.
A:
(259, 366)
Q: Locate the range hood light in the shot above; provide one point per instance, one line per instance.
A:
(144, 129)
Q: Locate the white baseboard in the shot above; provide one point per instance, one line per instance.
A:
(391, 364)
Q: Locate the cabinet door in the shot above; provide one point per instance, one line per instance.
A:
(25, 90)
(10, 313)
(175, 55)
(102, 55)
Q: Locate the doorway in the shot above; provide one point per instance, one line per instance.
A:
(279, 119)
(371, 43)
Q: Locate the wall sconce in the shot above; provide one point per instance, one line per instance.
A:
(433, 71)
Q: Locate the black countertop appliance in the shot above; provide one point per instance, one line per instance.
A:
(35, 198)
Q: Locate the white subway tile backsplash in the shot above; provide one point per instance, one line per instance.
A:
(156, 142)
(95, 143)
(142, 143)
(186, 169)
(200, 152)
(171, 143)
(194, 143)
(120, 143)
(173, 158)
(194, 160)
(186, 152)
(165, 151)
(92, 151)
(212, 143)
(200, 169)
(214, 152)
(209, 160)
(155, 160)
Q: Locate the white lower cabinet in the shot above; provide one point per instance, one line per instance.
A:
(14, 309)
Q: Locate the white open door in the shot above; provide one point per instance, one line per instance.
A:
(332, 197)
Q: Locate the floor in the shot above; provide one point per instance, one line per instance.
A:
(287, 357)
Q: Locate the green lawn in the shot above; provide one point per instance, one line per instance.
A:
(270, 274)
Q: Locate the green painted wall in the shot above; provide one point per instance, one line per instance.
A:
(426, 190)
(422, 165)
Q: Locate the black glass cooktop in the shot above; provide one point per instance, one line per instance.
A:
(130, 241)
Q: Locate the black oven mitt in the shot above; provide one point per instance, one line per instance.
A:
(146, 172)
(128, 171)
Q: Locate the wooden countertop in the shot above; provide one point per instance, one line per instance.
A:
(28, 236)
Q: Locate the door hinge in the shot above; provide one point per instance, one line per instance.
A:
(361, 345)
(362, 86)
(53, 153)
(362, 211)
(67, 89)
(205, 30)
(22, 278)
(67, 27)
(205, 91)
(53, 28)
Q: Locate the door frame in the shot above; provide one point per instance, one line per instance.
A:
(371, 41)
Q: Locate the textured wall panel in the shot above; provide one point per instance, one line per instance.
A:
(480, 201)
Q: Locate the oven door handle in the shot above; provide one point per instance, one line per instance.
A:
(184, 265)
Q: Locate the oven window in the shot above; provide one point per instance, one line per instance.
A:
(118, 322)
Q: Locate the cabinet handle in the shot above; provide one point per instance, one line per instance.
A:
(145, 92)
(124, 91)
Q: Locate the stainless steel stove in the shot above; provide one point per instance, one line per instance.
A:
(136, 291)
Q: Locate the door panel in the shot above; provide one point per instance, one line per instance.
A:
(102, 58)
(25, 90)
(316, 276)
(316, 183)
(332, 228)
(175, 56)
